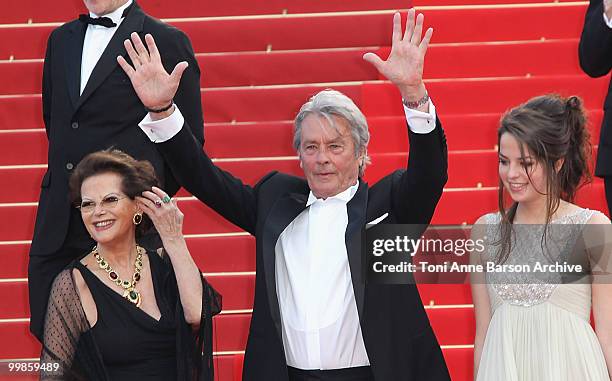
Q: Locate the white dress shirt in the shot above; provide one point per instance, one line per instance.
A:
(608, 22)
(320, 322)
(96, 40)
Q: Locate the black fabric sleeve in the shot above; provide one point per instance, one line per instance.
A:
(174, 47)
(417, 190)
(211, 306)
(68, 351)
(219, 189)
(194, 348)
(595, 49)
(188, 96)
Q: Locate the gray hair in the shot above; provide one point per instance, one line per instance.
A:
(329, 103)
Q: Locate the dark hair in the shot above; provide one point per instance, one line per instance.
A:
(137, 176)
(552, 128)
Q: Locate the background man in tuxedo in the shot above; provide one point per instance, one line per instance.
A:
(314, 317)
(89, 104)
(595, 53)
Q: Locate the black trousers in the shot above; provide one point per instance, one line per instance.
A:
(362, 373)
(44, 267)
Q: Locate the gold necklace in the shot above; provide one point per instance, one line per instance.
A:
(130, 292)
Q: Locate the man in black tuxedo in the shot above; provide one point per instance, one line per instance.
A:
(595, 54)
(314, 317)
(89, 104)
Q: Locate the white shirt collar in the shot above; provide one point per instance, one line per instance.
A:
(116, 14)
(344, 196)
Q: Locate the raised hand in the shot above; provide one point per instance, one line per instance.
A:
(163, 212)
(153, 85)
(404, 66)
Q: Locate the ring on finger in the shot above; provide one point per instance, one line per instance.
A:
(158, 203)
(166, 199)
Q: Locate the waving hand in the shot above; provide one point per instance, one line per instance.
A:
(153, 85)
(404, 66)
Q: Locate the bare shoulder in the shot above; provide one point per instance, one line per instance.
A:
(78, 280)
(87, 300)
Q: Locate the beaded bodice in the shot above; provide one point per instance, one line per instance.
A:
(528, 288)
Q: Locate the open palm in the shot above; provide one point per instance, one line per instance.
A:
(153, 85)
(404, 66)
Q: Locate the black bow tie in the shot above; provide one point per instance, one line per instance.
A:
(102, 21)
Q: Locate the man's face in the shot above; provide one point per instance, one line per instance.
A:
(103, 7)
(327, 156)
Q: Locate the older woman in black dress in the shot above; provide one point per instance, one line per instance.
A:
(121, 312)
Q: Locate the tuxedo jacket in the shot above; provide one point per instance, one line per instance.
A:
(105, 115)
(396, 331)
(595, 52)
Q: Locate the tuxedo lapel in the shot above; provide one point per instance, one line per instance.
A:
(72, 60)
(356, 210)
(284, 211)
(133, 22)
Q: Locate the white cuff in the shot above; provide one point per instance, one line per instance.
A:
(159, 131)
(608, 22)
(421, 122)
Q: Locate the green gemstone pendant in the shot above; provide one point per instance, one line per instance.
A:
(130, 293)
(133, 296)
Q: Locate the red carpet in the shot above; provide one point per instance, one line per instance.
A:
(258, 67)
(470, 60)
(338, 31)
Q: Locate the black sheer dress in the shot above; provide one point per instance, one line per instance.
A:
(126, 343)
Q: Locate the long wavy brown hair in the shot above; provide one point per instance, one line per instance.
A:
(551, 128)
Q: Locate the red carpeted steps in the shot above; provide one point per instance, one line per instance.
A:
(32, 10)
(237, 290)
(277, 103)
(486, 56)
(21, 184)
(470, 60)
(387, 135)
(23, 11)
(472, 168)
(457, 205)
(214, 254)
(312, 31)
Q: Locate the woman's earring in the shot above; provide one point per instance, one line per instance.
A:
(137, 219)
